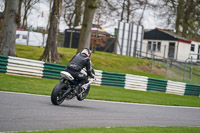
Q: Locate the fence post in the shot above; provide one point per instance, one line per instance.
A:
(184, 70)
(191, 69)
(146, 51)
(135, 48)
(28, 35)
(152, 60)
(164, 52)
(115, 44)
(167, 65)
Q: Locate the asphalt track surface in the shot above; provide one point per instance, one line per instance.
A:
(20, 112)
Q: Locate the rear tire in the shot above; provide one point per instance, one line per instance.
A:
(84, 94)
(57, 93)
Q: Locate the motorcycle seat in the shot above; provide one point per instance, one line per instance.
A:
(66, 75)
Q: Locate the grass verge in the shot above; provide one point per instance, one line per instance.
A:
(125, 130)
(45, 86)
(114, 63)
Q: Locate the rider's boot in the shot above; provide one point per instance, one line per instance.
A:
(77, 89)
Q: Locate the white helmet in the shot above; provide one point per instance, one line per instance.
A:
(86, 51)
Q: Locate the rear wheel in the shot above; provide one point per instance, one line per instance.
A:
(84, 94)
(57, 96)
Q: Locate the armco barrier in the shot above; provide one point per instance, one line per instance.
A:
(52, 71)
(113, 79)
(3, 63)
(175, 87)
(21, 66)
(135, 82)
(39, 69)
(32, 68)
(156, 85)
(192, 90)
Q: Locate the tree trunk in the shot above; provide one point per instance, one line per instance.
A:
(179, 16)
(128, 11)
(50, 9)
(5, 7)
(122, 13)
(78, 12)
(19, 13)
(90, 8)
(7, 39)
(25, 18)
(141, 17)
(50, 53)
(28, 5)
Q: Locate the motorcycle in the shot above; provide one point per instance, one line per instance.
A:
(65, 88)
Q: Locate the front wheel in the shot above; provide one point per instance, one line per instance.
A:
(57, 95)
(84, 94)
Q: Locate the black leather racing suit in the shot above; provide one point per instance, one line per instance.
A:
(77, 63)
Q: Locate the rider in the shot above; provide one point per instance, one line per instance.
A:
(77, 63)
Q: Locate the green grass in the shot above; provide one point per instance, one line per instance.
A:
(125, 130)
(133, 96)
(101, 60)
(114, 63)
(176, 74)
(26, 84)
(29, 52)
(45, 86)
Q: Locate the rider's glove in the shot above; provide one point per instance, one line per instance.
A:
(90, 74)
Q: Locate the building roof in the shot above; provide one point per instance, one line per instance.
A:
(195, 41)
(95, 30)
(163, 34)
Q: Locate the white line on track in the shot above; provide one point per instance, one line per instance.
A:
(107, 101)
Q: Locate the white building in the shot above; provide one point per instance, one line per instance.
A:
(195, 50)
(30, 38)
(164, 44)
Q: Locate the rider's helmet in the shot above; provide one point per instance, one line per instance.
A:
(86, 51)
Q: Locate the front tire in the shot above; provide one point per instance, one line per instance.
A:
(57, 94)
(84, 94)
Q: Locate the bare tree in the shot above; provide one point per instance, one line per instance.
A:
(127, 10)
(50, 53)
(90, 8)
(78, 12)
(183, 16)
(142, 15)
(73, 11)
(28, 6)
(50, 9)
(8, 36)
(19, 13)
(68, 15)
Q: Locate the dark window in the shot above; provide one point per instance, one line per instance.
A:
(149, 45)
(192, 47)
(158, 46)
(154, 46)
(24, 37)
(17, 36)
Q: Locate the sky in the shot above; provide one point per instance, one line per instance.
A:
(36, 19)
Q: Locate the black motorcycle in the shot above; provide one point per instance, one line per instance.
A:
(65, 88)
